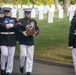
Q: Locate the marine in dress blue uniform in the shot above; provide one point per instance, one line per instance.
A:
(1, 15)
(72, 39)
(8, 26)
(26, 41)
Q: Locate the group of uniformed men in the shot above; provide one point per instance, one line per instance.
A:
(26, 28)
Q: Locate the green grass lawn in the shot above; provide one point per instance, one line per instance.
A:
(52, 42)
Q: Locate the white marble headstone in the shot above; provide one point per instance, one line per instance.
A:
(68, 11)
(50, 17)
(36, 9)
(14, 12)
(41, 14)
(60, 13)
(33, 13)
(52, 10)
(19, 6)
(59, 7)
(20, 13)
(45, 10)
(71, 14)
(53, 7)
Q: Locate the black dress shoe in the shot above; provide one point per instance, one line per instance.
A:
(3, 72)
(28, 73)
(8, 73)
(22, 69)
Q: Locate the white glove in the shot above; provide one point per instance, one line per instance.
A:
(24, 33)
(9, 26)
(70, 47)
(34, 34)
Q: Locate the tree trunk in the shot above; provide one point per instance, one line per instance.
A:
(56, 3)
(66, 4)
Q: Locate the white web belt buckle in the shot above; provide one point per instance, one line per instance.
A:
(7, 33)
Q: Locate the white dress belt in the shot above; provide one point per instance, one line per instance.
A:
(7, 32)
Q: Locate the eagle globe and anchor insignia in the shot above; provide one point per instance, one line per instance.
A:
(30, 29)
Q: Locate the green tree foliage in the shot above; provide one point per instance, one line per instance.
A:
(50, 2)
(38, 2)
(72, 1)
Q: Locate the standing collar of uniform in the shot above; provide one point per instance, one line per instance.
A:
(7, 16)
(27, 18)
(74, 16)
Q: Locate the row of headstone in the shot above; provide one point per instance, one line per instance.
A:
(41, 11)
(37, 10)
(70, 12)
